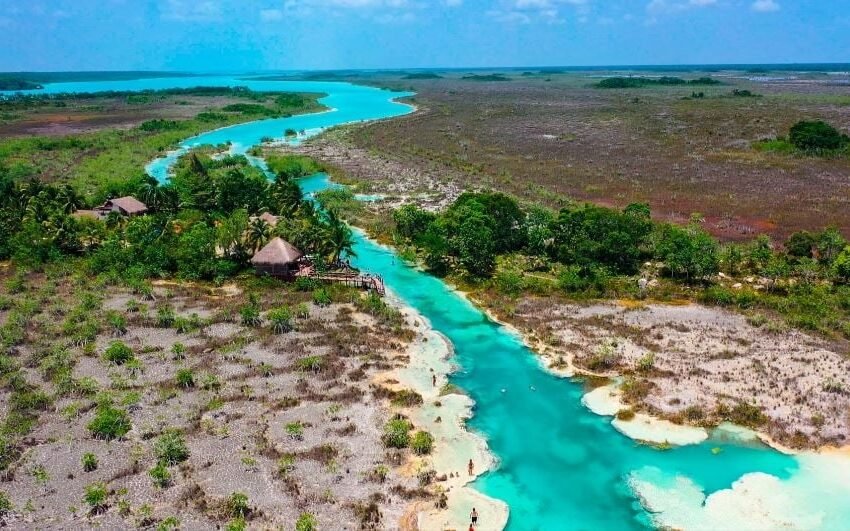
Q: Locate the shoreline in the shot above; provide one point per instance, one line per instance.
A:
(444, 416)
(547, 359)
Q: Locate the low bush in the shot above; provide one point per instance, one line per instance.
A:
(109, 423)
(89, 462)
(306, 522)
(95, 496)
(170, 448)
(422, 443)
(238, 505)
(118, 353)
(160, 475)
(397, 433)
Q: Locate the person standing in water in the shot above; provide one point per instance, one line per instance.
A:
(474, 517)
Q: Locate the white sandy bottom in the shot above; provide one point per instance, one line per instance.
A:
(607, 401)
(817, 496)
(454, 445)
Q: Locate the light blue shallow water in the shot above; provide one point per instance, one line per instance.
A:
(561, 467)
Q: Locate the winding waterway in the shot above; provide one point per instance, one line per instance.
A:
(560, 466)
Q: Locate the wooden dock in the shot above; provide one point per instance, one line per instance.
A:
(374, 283)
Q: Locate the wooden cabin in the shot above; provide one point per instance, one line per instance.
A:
(278, 258)
(125, 206)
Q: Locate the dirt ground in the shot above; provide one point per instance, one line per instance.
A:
(250, 387)
(549, 138)
(689, 362)
(89, 115)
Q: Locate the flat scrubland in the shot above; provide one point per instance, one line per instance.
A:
(546, 137)
(206, 415)
(100, 143)
(761, 345)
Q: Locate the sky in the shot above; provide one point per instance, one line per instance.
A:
(247, 35)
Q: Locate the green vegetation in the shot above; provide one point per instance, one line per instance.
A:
(118, 353)
(12, 83)
(280, 319)
(488, 241)
(397, 433)
(422, 443)
(95, 496)
(486, 77)
(423, 75)
(160, 475)
(111, 163)
(89, 462)
(5, 504)
(109, 422)
(292, 166)
(817, 137)
(170, 448)
(238, 505)
(306, 522)
(640, 82)
(809, 138)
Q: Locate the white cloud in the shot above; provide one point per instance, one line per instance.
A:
(271, 15)
(190, 11)
(527, 11)
(765, 6)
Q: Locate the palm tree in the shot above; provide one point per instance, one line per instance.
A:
(68, 199)
(259, 233)
(337, 237)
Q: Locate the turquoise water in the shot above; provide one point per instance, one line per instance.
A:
(561, 467)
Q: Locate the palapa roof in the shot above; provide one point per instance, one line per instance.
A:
(271, 219)
(128, 204)
(277, 252)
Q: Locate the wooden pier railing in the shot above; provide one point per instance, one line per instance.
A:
(357, 280)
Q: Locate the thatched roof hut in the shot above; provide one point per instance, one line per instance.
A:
(277, 258)
(126, 206)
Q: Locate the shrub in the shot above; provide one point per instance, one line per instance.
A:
(646, 363)
(109, 423)
(5, 504)
(280, 319)
(286, 464)
(321, 297)
(164, 317)
(310, 363)
(238, 505)
(606, 357)
(118, 353)
(237, 524)
(89, 462)
(406, 398)
(117, 323)
(170, 448)
(178, 351)
(306, 284)
(397, 433)
(185, 378)
(295, 430)
(250, 315)
(626, 414)
(95, 496)
(160, 475)
(816, 136)
(422, 443)
(748, 415)
(306, 522)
